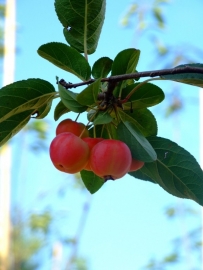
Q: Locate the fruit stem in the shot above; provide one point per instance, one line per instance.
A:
(77, 117)
(102, 130)
(94, 130)
(109, 134)
(82, 132)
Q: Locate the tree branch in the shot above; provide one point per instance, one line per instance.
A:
(152, 74)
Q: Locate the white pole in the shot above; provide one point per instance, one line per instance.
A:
(201, 148)
(5, 154)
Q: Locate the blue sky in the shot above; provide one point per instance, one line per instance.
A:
(125, 225)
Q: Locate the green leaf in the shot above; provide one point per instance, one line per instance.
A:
(102, 67)
(66, 58)
(60, 110)
(92, 182)
(102, 118)
(31, 94)
(83, 22)
(69, 99)
(188, 78)
(175, 170)
(141, 175)
(143, 119)
(146, 95)
(125, 63)
(89, 95)
(91, 115)
(12, 125)
(139, 146)
(99, 117)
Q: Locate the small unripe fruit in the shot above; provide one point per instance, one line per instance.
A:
(91, 143)
(74, 127)
(69, 153)
(136, 165)
(110, 159)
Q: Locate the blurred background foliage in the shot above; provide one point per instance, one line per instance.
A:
(34, 233)
(2, 15)
(148, 20)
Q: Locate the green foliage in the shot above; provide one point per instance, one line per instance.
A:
(21, 96)
(92, 182)
(69, 100)
(102, 67)
(125, 63)
(11, 126)
(144, 95)
(175, 170)
(89, 95)
(102, 118)
(60, 109)
(82, 21)
(140, 148)
(143, 119)
(188, 78)
(116, 107)
(66, 58)
(20, 101)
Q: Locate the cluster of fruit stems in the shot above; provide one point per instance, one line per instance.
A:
(109, 91)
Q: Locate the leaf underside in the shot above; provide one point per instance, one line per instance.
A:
(195, 79)
(19, 101)
(24, 95)
(140, 148)
(175, 170)
(12, 125)
(92, 182)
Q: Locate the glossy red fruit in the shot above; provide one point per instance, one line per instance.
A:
(69, 125)
(69, 153)
(136, 165)
(91, 143)
(110, 159)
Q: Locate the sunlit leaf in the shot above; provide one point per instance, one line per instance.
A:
(43, 111)
(31, 94)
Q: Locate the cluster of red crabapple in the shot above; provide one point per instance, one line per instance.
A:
(72, 150)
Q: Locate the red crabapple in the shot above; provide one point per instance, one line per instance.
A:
(69, 153)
